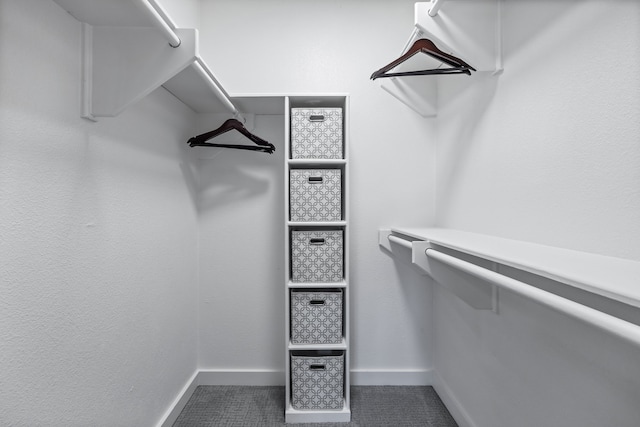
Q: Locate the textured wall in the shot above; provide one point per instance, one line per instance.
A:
(184, 13)
(98, 226)
(241, 255)
(301, 47)
(548, 152)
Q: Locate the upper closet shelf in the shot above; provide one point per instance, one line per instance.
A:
(609, 277)
(128, 52)
(468, 29)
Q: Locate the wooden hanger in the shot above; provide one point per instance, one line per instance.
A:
(231, 124)
(428, 47)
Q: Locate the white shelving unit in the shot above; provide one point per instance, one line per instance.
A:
(608, 277)
(599, 290)
(293, 415)
(126, 56)
(468, 29)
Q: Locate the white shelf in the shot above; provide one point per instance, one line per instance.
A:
(317, 285)
(317, 223)
(306, 347)
(125, 57)
(610, 277)
(599, 290)
(112, 13)
(319, 162)
(467, 29)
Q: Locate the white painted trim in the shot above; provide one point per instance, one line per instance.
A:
(391, 377)
(87, 73)
(241, 377)
(179, 402)
(457, 411)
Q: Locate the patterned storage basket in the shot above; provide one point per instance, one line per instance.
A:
(316, 133)
(316, 256)
(316, 317)
(315, 194)
(317, 381)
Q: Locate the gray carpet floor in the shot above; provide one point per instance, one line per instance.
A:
(379, 406)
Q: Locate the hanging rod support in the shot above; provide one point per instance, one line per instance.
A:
(161, 21)
(435, 7)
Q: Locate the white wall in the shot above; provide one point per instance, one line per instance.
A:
(531, 366)
(183, 13)
(241, 256)
(98, 226)
(548, 152)
(301, 47)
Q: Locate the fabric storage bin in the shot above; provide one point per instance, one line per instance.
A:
(316, 256)
(315, 195)
(316, 317)
(316, 133)
(317, 380)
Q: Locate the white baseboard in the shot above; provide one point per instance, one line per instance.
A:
(451, 402)
(269, 377)
(180, 402)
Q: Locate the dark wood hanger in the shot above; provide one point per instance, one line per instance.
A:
(458, 66)
(231, 124)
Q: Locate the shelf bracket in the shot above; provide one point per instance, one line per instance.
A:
(122, 65)
(477, 294)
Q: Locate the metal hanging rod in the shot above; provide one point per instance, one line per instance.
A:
(435, 7)
(161, 20)
(201, 68)
(400, 241)
(166, 25)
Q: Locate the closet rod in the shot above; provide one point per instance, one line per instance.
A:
(401, 242)
(161, 20)
(436, 5)
(201, 69)
(613, 325)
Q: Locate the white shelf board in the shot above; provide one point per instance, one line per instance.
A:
(319, 162)
(111, 13)
(317, 223)
(125, 58)
(314, 347)
(316, 285)
(190, 88)
(609, 277)
(467, 29)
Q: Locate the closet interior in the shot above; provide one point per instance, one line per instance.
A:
(465, 217)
